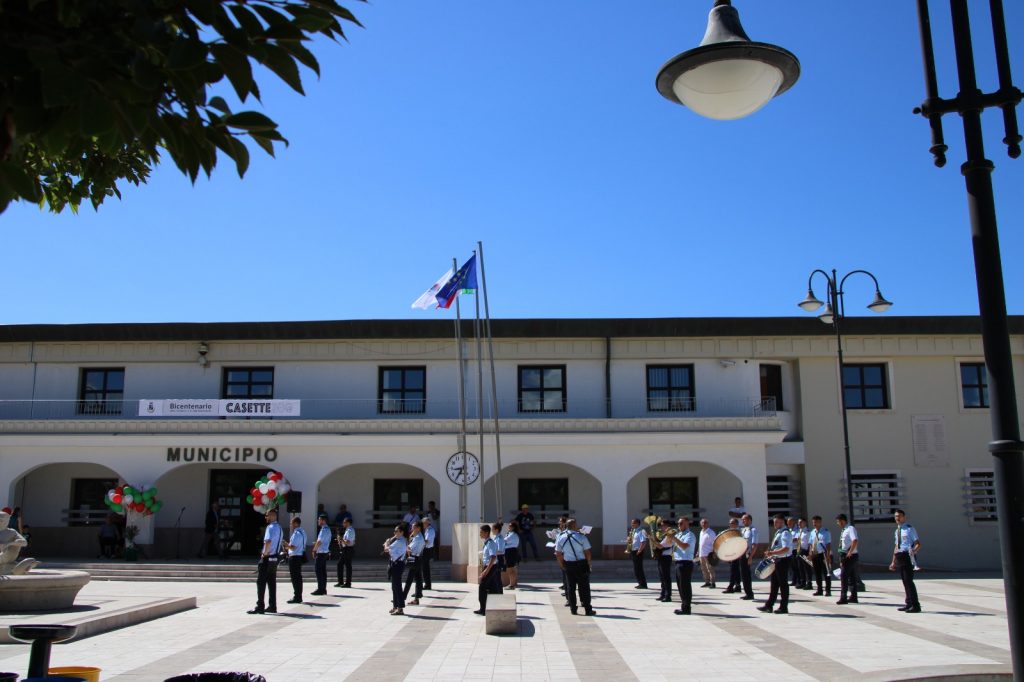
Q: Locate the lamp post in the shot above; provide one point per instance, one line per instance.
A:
(833, 315)
(1006, 446)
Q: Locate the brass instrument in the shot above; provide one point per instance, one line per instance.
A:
(653, 521)
(629, 541)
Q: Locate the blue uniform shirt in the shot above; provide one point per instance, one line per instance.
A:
(819, 539)
(571, 545)
(680, 554)
(638, 539)
(274, 534)
(846, 540)
(511, 540)
(349, 537)
(416, 545)
(905, 537)
(397, 549)
(783, 540)
(298, 542)
(500, 542)
(490, 551)
(324, 538)
(428, 536)
(749, 534)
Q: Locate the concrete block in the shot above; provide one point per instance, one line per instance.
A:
(501, 614)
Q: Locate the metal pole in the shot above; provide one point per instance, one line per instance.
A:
(494, 385)
(480, 401)
(836, 317)
(1006, 446)
(463, 494)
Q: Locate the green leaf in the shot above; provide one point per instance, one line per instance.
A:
(267, 145)
(249, 120)
(303, 55)
(283, 64)
(187, 54)
(218, 103)
(236, 67)
(20, 182)
(247, 20)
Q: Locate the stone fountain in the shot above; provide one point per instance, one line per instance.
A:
(23, 589)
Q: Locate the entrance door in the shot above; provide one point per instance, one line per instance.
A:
(241, 528)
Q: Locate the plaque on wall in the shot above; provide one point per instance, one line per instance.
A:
(929, 436)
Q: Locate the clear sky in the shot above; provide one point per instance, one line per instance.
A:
(536, 127)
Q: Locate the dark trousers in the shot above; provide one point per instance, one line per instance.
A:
(491, 583)
(425, 567)
(413, 575)
(684, 574)
(802, 569)
(397, 595)
(108, 547)
(906, 568)
(266, 581)
(780, 583)
(638, 568)
(295, 572)
(665, 574)
(748, 586)
(734, 574)
(345, 566)
(320, 569)
(820, 569)
(850, 576)
(578, 575)
(526, 538)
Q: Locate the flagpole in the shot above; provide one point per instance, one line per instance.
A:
(480, 401)
(494, 387)
(463, 495)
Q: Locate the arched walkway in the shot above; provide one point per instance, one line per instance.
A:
(672, 489)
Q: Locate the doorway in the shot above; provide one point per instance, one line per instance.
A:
(241, 528)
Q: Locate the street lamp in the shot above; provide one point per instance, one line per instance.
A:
(1006, 446)
(833, 315)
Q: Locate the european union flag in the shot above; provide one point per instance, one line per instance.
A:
(464, 282)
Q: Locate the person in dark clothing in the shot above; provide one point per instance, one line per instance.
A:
(526, 522)
(210, 526)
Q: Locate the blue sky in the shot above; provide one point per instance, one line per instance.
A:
(536, 128)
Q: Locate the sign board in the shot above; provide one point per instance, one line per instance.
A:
(209, 407)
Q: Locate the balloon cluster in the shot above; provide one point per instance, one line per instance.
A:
(269, 492)
(125, 498)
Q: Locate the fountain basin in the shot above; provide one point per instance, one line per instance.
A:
(40, 590)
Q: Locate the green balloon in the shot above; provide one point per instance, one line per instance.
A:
(249, 499)
(157, 506)
(117, 507)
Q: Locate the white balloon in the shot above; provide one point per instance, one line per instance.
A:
(263, 488)
(127, 499)
(283, 487)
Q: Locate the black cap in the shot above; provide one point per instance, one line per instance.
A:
(322, 515)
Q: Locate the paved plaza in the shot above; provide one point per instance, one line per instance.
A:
(348, 635)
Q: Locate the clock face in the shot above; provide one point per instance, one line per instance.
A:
(463, 468)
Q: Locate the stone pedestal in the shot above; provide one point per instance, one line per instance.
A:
(41, 590)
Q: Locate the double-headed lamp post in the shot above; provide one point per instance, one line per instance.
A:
(729, 76)
(833, 315)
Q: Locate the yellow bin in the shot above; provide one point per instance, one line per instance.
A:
(85, 672)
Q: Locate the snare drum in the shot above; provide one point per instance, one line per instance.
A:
(730, 545)
(764, 569)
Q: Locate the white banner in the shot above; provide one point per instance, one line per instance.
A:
(208, 407)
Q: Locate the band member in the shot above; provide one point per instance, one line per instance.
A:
(664, 554)
(849, 561)
(682, 554)
(347, 542)
(429, 536)
(499, 541)
(794, 574)
(637, 549)
(804, 546)
(414, 555)
(750, 535)
(266, 570)
(321, 551)
(734, 565)
(296, 547)
(573, 553)
(782, 551)
(396, 547)
(706, 545)
(907, 544)
(562, 522)
(512, 555)
(821, 551)
(489, 574)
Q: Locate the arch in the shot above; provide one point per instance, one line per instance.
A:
(716, 488)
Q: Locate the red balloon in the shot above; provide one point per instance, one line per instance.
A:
(119, 490)
(271, 494)
(116, 499)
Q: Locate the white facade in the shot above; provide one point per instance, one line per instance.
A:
(609, 447)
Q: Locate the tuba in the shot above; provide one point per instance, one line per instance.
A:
(653, 521)
(629, 541)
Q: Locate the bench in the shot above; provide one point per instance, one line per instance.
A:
(501, 614)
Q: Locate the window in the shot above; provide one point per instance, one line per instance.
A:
(548, 498)
(101, 391)
(771, 387)
(542, 389)
(980, 492)
(402, 389)
(670, 388)
(87, 508)
(248, 383)
(864, 387)
(783, 495)
(876, 496)
(974, 384)
(672, 497)
(394, 497)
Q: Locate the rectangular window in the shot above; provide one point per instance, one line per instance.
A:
(671, 498)
(392, 498)
(974, 384)
(865, 387)
(548, 498)
(876, 496)
(783, 495)
(248, 383)
(670, 388)
(402, 389)
(101, 391)
(542, 388)
(771, 387)
(87, 508)
(981, 495)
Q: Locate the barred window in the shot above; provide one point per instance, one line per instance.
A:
(542, 388)
(783, 495)
(876, 496)
(670, 388)
(402, 389)
(101, 391)
(980, 491)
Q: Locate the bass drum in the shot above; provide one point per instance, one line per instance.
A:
(764, 569)
(730, 545)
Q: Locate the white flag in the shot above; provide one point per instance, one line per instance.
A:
(429, 298)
